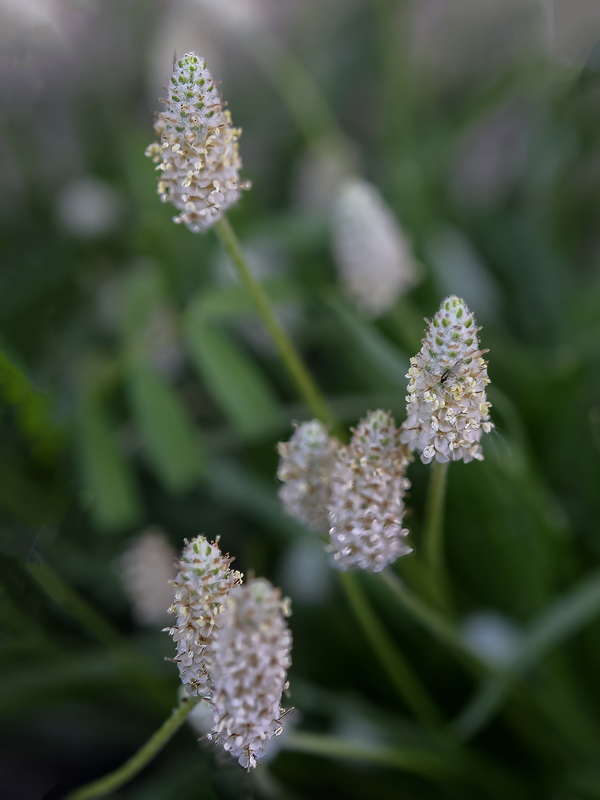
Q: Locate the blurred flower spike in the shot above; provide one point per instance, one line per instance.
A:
(371, 252)
(197, 155)
(447, 407)
(366, 506)
(305, 467)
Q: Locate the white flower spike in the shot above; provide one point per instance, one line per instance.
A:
(368, 483)
(370, 250)
(447, 408)
(202, 586)
(305, 468)
(251, 656)
(197, 155)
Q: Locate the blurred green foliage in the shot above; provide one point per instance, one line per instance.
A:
(137, 388)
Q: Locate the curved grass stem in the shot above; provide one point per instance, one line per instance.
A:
(401, 675)
(294, 364)
(134, 765)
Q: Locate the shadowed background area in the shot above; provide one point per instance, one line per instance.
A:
(141, 399)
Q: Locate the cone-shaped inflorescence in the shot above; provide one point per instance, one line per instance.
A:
(251, 655)
(370, 250)
(202, 586)
(305, 468)
(368, 482)
(197, 155)
(447, 407)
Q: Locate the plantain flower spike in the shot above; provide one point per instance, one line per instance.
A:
(447, 407)
(202, 585)
(366, 507)
(251, 656)
(197, 155)
(305, 464)
(372, 255)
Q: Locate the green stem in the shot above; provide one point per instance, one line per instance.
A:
(433, 535)
(399, 672)
(407, 759)
(443, 630)
(304, 382)
(114, 780)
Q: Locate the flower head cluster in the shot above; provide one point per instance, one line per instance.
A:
(251, 655)
(447, 407)
(370, 250)
(304, 467)
(202, 586)
(147, 568)
(233, 648)
(368, 482)
(197, 155)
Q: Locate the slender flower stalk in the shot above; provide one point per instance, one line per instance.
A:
(114, 780)
(292, 360)
(305, 464)
(438, 626)
(433, 534)
(401, 675)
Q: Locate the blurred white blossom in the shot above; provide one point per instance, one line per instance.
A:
(147, 568)
(304, 572)
(89, 208)
(371, 252)
(305, 464)
(492, 637)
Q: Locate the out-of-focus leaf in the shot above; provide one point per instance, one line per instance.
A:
(565, 617)
(107, 475)
(144, 292)
(372, 345)
(231, 377)
(233, 302)
(169, 438)
(32, 409)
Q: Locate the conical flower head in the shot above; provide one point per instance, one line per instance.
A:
(201, 587)
(197, 155)
(370, 250)
(366, 507)
(447, 408)
(251, 656)
(305, 468)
